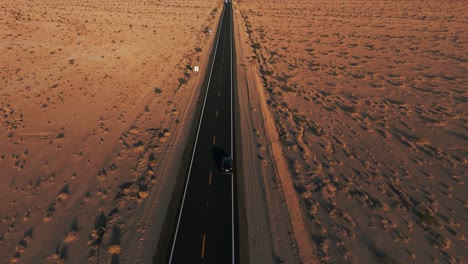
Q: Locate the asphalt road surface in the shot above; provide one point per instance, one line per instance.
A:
(205, 230)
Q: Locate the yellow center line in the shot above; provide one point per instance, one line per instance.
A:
(209, 180)
(214, 140)
(203, 247)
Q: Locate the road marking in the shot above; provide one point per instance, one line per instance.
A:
(207, 204)
(216, 112)
(232, 151)
(209, 180)
(203, 247)
(232, 220)
(214, 140)
(219, 93)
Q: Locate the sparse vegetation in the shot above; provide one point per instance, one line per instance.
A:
(182, 81)
(256, 46)
(340, 119)
(366, 102)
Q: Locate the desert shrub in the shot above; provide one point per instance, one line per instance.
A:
(395, 101)
(157, 90)
(443, 242)
(283, 78)
(349, 109)
(182, 80)
(266, 72)
(429, 219)
(287, 88)
(315, 129)
(138, 144)
(50, 211)
(113, 167)
(115, 249)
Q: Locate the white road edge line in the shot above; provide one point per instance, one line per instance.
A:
(195, 146)
(232, 141)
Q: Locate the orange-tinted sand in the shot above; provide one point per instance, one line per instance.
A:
(95, 99)
(369, 101)
(353, 127)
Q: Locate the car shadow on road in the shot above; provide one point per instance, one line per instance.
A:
(218, 155)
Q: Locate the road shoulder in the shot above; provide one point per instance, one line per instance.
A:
(276, 231)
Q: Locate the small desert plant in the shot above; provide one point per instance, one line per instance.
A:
(283, 78)
(64, 193)
(157, 90)
(115, 249)
(287, 88)
(182, 80)
(113, 167)
(429, 219)
(349, 109)
(50, 211)
(395, 101)
(267, 72)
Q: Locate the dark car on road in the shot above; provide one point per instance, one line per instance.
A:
(226, 165)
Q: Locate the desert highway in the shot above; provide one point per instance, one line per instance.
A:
(206, 230)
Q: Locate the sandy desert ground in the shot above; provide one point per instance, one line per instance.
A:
(368, 100)
(357, 122)
(95, 97)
